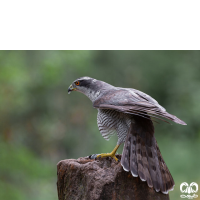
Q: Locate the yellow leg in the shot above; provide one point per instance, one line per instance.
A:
(112, 154)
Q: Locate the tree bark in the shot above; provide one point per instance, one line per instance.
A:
(102, 179)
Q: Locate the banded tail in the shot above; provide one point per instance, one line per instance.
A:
(141, 156)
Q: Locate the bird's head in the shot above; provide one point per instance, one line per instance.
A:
(83, 85)
(88, 86)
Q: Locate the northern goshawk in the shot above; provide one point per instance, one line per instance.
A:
(127, 112)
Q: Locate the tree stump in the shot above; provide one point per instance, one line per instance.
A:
(103, 179)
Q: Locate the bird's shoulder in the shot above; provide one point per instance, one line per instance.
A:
(125, 97)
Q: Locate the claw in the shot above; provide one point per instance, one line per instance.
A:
(103, 155)
(116, 158)
(112, 154)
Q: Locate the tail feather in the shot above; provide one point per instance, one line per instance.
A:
(146, 164)
(156, 168)
(141, 172)
(141, 156)
(125, 160)
(166, 175)
(133, 157)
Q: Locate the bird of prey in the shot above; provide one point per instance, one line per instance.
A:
(128, 113)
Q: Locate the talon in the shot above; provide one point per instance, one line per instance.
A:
(112, 154)
(116, 158)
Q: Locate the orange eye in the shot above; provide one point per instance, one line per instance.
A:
(77, 83)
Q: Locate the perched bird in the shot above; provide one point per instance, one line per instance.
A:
(128, 113)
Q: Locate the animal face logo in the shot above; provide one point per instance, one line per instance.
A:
(192, 188)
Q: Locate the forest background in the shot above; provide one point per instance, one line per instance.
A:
(40, 124)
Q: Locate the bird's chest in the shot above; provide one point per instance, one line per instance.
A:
(110, 121)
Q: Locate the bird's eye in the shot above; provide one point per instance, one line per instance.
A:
(77, 83)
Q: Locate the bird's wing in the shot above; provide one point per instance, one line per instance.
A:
(132, 101)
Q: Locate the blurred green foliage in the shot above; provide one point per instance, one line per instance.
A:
(40, 124)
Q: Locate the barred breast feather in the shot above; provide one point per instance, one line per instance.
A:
(111, 122)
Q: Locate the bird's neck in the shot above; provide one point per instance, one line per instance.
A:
(99, 88)
(92, 95)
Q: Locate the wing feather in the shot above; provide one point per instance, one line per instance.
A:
(128, 101)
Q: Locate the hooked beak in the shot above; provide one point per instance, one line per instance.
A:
(71, 89)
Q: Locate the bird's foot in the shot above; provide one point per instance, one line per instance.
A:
(104, 155)
(112, 154)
